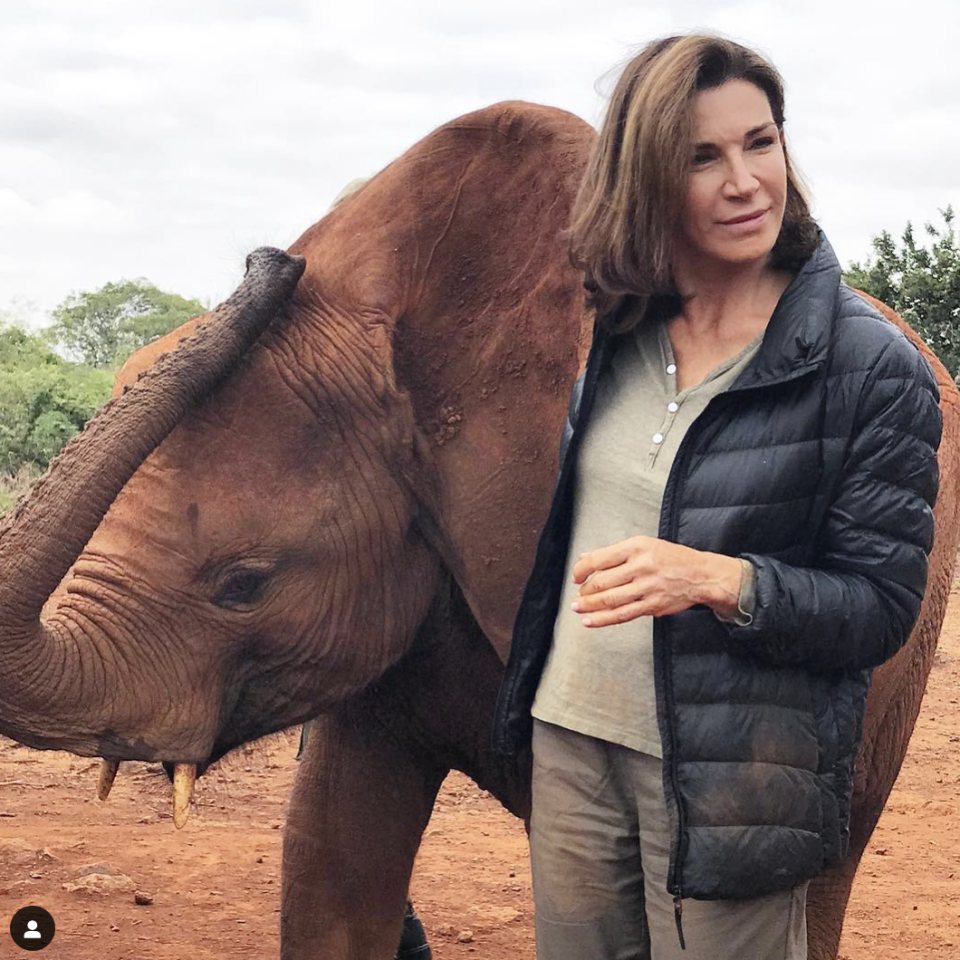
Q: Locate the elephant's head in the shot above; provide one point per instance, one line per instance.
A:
(243, 553)
(247, 550)
(276, 535)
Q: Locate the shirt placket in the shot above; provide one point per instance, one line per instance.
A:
(668, 378)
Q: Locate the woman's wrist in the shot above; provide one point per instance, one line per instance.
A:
(721, 584)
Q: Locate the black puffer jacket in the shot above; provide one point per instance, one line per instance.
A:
(819, 466)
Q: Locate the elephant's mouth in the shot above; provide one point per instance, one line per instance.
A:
(184, 777)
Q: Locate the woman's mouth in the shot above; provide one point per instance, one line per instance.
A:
(747, 222)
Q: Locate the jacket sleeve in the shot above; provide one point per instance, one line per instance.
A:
(856, 607)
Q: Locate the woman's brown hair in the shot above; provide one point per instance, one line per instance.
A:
(633, 191)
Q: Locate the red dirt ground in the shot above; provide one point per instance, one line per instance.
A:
(216, 884)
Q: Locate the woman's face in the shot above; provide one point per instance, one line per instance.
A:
(737, 183)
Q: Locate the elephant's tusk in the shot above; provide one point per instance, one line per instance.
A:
(184, 777)
(108, 773)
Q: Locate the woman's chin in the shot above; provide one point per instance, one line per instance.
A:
(750, 251)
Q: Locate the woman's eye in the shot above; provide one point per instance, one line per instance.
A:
(762, 143)
(701, 158)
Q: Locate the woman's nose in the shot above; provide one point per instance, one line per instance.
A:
(740, 180)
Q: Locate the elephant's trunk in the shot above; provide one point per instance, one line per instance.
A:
(42, 666)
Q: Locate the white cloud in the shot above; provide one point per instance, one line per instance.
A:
(75, 211)
(168, 137)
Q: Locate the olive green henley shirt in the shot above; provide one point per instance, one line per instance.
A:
(599, 680)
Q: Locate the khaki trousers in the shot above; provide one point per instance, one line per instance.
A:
(600, 848)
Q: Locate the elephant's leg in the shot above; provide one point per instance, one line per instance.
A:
(358, 810)
(413, 939)
(368, 780)
(892, 707)
(826, 904)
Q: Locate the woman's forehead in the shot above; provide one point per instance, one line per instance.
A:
(729, 112)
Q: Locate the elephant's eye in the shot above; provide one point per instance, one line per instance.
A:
(242, 587)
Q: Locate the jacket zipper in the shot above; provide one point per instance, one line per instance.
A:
(678, 916)
(674, 875)
(674, 878)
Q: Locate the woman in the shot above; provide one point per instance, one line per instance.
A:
(736, 540)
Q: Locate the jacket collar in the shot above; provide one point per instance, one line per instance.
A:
(798, 333)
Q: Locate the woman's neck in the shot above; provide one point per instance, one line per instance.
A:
(725, 301)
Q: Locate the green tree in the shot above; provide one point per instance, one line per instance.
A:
(101, 329)
(921, 282)
(44, 400)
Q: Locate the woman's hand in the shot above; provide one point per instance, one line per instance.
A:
(646, 576)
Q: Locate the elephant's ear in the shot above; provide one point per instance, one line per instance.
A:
(459, 244)
(423, 480)
(147, 356)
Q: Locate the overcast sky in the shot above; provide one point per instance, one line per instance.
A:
(167, 139)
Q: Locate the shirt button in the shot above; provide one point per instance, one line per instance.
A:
(673, 407)
(658, 438)
(671, 368)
